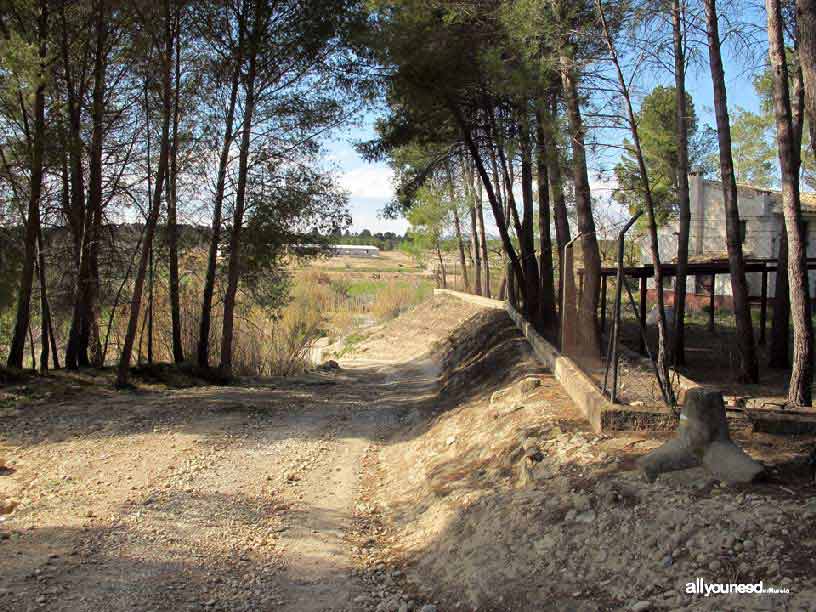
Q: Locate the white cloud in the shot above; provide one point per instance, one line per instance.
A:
(371, 182)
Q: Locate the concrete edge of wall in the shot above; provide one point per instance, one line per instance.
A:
(599, 411)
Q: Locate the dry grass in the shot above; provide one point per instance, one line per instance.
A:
(268, 340)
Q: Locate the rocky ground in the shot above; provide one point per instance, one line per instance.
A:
(205, 498)
(501, 498)
(439, 468)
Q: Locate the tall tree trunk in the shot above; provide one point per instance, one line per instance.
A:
(441, 267)
(662, 336)
(45, 311)
(75, 94)
(799, 389)
(683, 200)
(123, 370)
(23, 317)
(495, 202)
(150, 304)
(477, 189)
(545, 267)
(172, 228)
(806, 23)
(215, 237)
(457, 226)
(556, 189)
(486, 288)
(234, 265)
(531, 278)
(778, 356)
(588, 305)
(203, 352)
(89, 340)
(748, 367)
(475, 247)
(461, 245)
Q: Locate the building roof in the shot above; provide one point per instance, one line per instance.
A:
(807, 199)
(355, 247)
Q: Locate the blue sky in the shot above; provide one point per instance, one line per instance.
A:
(370, 187)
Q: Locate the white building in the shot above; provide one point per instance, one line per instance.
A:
(355, 250)
(761, 220)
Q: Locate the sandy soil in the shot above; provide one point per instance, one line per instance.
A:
(440, 468)
(500, 497)
(221, 498)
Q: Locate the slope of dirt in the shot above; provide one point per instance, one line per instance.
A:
(417, 476)
(499, 497)
(204, 498)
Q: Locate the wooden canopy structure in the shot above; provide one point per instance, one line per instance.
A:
(709, 268)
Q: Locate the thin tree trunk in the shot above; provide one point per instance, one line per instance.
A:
(545, 267)
(556, 189)
(457, 226)
(89, 340)
(588, 306)
(532, 305)
(123, 371)
(45, 314)
(116, 300)
(172, 228)
(461, 244)
(212, 257)
(495, 202)
(441, 267)
(234, 266)
(477, 257)
(806, 23)
(662, 336)
(683, 200)
(799, 389)
(482, 236)
(474, 231)
(150, 304)
(31, 346)
(748, 367)
(22, 321)
(76, 216)
(779, 354)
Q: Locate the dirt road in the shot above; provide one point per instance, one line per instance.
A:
(236, 498)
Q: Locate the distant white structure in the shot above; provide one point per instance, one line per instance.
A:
(761, 230)
(354, 250)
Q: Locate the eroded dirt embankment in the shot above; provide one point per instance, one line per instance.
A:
(497, 496)
(459, 478)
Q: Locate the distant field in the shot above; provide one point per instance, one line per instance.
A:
(393, 262)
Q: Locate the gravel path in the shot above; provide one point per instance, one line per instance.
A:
(237, 498)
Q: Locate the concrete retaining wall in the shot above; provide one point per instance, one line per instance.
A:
(596, 408)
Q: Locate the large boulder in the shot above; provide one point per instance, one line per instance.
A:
(702, 439)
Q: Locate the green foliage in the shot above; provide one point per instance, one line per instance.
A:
(753, 141)
(658, 139)
(429, 219)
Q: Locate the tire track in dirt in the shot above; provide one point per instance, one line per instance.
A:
(239, 498)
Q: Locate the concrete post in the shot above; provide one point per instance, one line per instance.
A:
(702, 440)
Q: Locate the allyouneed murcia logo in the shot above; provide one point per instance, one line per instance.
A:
(701, 587)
